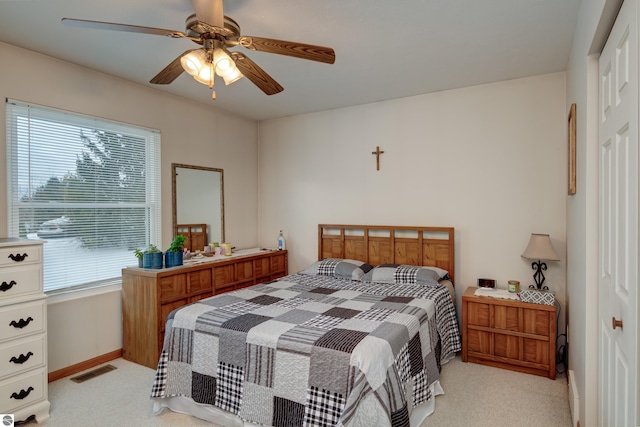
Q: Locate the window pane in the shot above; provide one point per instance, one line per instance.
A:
(89, 187)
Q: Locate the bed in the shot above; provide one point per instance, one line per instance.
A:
(356, 339)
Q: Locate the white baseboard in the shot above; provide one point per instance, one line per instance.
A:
(574, 400)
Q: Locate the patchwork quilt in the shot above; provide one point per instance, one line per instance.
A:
(310, 350)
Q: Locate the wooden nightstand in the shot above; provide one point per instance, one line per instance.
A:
(509, 334)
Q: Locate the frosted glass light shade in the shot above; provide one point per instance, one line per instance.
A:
(225, 67)
(222, 62)
(233, 76)
(194, 61)
(205, 76)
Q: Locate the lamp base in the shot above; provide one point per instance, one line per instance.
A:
(538, 276)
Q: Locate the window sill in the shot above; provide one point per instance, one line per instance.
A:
(64, 296)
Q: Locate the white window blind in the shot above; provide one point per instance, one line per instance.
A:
(89, 187)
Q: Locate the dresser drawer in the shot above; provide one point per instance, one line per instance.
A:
(262, 267)
(244, 270)
(20, 255)
(478, 314)
(19, 320)
(223, 276)
(507, 318)
(199, 281)
(22, 355)
(23, 390)
(279, 263)
(537, 322)
(173, 287)
(17, 281)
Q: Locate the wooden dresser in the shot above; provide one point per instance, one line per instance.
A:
(509, 334)
(148, 296)
(23, 331)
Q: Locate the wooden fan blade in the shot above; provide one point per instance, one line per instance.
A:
(297, 50)
(170, 72)
(256, 74)
(99, 25)
(209, 11)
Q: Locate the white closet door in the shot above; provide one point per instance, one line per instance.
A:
(618, 248)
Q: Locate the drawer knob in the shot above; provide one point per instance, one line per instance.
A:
(22, 393)
(21, 323)
(6, 286)
(18, 257)
(21, 359)
(616, 323)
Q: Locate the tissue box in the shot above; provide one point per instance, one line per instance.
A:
(537, 296)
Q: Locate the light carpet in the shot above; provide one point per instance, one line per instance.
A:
(475, 395)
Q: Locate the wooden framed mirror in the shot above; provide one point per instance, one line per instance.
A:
(198, 202)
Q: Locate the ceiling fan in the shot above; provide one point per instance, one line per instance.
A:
(216, 33)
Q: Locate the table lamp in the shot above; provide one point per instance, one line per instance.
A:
(539, 249)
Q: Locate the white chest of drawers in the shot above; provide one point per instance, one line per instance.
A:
(23, 331)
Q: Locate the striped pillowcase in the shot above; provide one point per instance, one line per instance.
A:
(404, 274)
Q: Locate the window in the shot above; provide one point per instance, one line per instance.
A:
(89, 187)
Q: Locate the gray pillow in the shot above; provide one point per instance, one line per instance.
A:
(402, 274)
(338, 267)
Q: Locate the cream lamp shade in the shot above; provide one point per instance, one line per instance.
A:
(540, 249)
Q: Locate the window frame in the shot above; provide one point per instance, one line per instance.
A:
(152, 191)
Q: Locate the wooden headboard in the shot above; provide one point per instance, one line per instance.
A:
(196, 236)
(385, 244)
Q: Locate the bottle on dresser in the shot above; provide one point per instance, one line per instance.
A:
(281, 241)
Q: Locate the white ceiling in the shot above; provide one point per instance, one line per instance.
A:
(385, 49)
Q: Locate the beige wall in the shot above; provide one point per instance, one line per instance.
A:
(489, 160)
(197, 134)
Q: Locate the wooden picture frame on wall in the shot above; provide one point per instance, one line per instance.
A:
(571, 144)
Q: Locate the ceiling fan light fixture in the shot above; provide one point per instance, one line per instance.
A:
(222, 62)
(210, 28)
(233, 76)
(225, 66)
(194, 61)
(206, 75)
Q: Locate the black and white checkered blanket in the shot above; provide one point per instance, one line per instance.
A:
(310, 350)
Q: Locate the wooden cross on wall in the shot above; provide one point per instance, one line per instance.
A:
(377, 154)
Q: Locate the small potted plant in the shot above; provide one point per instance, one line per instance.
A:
(139, 254)
(152, 257)
(174, 255)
